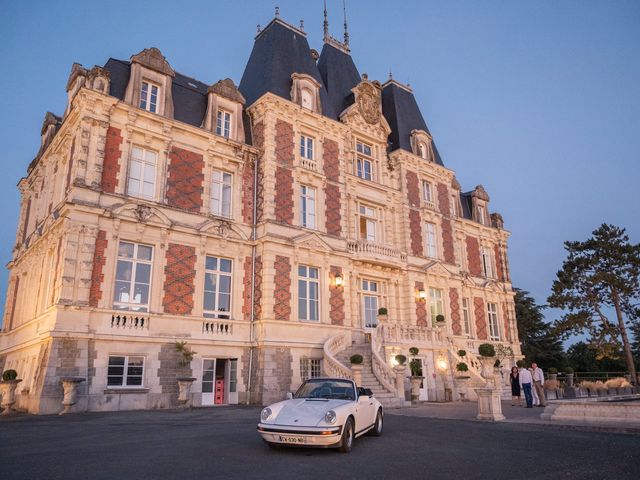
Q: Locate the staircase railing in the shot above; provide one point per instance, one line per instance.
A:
(331, 365)
(385, 375)
(410, 334)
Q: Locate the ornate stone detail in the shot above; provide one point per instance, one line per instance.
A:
(227, 89)
(143, 213)
(497, 221)
(481, 193)
(152, 58)
(368, 100)
(455, 184)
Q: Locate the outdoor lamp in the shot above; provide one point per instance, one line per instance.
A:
(422, 295)
(442, 364)
(338, 280)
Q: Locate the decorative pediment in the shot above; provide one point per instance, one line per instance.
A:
(227, 89)
(480, 193)
(311, 241)
(366, 111)
(435, 267)
(497, 221)
(153, 59)
(77, 70)
(141, 213)
(492, 286)
(221, 227)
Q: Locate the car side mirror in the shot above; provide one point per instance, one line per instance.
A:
(289, 395)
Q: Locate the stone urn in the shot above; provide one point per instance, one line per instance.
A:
(184, 389)
(487, 367)
(462, 384)
(70, 390)
(416, 381)
(400, 373)
(8, 392)
(356, 371)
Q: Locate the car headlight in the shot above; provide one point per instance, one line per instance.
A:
(265, 414)
(330, 417)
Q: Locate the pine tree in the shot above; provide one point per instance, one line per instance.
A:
(599, 275)
(539, 344)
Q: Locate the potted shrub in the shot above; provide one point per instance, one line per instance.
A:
(553, 373)
(382, 314)
(415, 366)
(185, 357)
(356, 368)
(8, 386)
(462, 379)
(487, 358)
(401, 359)
(440, 320)
(462, 353)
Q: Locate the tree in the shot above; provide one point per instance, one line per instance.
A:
(539, 343)
(582, 357)
(599, 275)
(635, 344)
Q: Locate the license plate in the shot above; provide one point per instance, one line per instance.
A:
(289, 439)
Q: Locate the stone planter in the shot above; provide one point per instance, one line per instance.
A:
(356, 371)
(569, 379)
(184, 386)
(487, 367)
(400, 373)
(489, 406)
(70, 389)
(8, 392)
(553, 376)
(462, 384)
(383, 318)
(415, 387)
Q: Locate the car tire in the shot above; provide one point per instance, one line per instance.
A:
(376, 431)
(348, 435)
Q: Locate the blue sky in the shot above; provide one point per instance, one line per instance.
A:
(538, 101)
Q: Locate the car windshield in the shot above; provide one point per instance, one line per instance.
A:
(324, 388)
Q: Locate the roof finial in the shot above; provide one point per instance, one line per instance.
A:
(302, 25)
(277, 12)
(390, 75)
(326, 22)
(346, 32)
(258, 27)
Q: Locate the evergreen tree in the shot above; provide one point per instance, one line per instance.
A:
(599, 275)
(539, 343)
(582, 357)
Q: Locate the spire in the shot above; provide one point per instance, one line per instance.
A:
(326, 22)
(346, 32)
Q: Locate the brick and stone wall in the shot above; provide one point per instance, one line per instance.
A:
(507, 322)
(248, 172)
(473, 256)
(497, 253)
(443, 199)
(97, 275)
(170, 369)
(421, 308)
(481, 319)
(336, 298)
(185, 179)
(447, 242)
(415, 222)
(282, 293)
(246, 295)
(111, 162)
(284, 195)
(331, 165)
(179, 279)
(454, 304)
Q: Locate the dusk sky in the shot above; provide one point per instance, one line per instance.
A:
(539, 101)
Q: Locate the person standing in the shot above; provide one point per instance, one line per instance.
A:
(524, 378)
(538, 383)
(515, 387)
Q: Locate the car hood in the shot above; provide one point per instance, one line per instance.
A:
(304, 411)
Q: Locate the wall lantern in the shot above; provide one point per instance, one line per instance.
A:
(421, 295)
(441, 364)
(338, 280)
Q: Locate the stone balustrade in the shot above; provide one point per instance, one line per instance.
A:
(131, 321)
(363, 248)
(332, 367)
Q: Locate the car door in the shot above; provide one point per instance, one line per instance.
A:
(365, 409)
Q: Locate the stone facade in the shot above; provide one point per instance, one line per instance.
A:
(103, 281)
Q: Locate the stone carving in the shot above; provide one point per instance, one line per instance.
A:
(368, 99)
(455, 184)
(152, 58)
(227, 89)
(481, 193)
(143, 213)
(497, 221)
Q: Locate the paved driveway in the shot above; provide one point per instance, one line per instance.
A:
(222, 443)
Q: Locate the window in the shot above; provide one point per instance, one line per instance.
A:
(435, 304)
(422, 150)
(306, 147)
(149, 97)
(481, 215)
(368, 223)
(308, 290)
(125, 371)
(310, 368)
(217, 287)
(427, 193)
(431, 242)
(142, 173)
(223, 125)
(466, 317)
(233, 375)
(455, 209)
(308, 206)
(370, 294)
(133, 277)
(307, 98)
(221, 188)
(487, 262)
(364, 161)
(494, 331)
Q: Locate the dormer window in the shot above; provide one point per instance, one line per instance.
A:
(306, 98)
(149, 93)
(421, 144)
(223, 125)
(422, 150)
(481, 215)
(305, 91)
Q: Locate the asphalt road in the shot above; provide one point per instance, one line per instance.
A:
(222, 443)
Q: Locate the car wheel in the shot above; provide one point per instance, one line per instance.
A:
(347, 437)
(376, 431)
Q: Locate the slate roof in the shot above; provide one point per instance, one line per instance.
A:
(279, 51)
(401, 110)
(339, 75)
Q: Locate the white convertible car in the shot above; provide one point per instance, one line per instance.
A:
(324, 412)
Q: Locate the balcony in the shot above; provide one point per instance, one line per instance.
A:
(309, 164)
(376, 253)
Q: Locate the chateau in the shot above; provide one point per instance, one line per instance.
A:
(276, 227)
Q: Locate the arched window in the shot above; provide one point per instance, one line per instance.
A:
(306, 98)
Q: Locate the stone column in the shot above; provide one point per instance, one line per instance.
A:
(489, 406)
(400, 374)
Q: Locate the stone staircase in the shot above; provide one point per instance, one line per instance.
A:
(369, 380)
